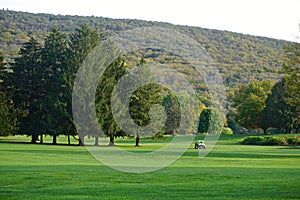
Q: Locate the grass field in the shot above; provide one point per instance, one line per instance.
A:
(230, 171)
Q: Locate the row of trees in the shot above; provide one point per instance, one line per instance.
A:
(36, 91)
(39, 82)
(261, 104)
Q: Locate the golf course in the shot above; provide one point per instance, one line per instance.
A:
(230, 171)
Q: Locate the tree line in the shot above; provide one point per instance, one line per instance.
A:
(36, 89)
(263, 104)
(36, 93)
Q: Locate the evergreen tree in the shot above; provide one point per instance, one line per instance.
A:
(173, 112)
(55, 62)
(81, 43)
(27, 89)
(7, 118)
(104, 91)
(210, 121)
(140, 104)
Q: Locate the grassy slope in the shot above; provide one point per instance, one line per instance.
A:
(230, 171)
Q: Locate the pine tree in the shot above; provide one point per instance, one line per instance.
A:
(54, 60)
(27, 87)
(81, 43)
(7, 118)
(104, 91)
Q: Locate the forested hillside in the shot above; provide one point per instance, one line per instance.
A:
(240, 58)
(45, 52)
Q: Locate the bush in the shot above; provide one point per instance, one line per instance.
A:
(270, 140)
(227, 130)
(252, 140)
(293, 140)
(273, 141)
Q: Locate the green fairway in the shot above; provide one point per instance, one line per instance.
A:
(230, 171)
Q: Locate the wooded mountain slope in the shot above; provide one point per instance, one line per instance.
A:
(239, 57)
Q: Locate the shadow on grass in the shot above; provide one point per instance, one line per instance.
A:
(15, 141)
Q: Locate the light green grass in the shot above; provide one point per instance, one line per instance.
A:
(230, 171)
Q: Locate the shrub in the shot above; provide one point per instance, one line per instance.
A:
(293, 140)
(270, 140)
(252, 140)
(227, 130)
(273, 141)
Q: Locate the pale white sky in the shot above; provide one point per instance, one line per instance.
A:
(271, 18)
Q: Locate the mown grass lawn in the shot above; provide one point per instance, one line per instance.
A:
(230, 171)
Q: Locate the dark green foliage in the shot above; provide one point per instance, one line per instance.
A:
(210, 121)
(104, 91)
(172, 109)
(7, 121)
(81, 42)
(231, 121)
(140, 104)
(271, 140)
(278, 112)
(27, 87)
(6, 126)
(7, 118)
(252, 140)
(293, 140)
(54, 61)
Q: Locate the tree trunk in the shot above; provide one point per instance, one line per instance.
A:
(137, 141)
(173, 132)
(41, 139)
(54, 139)
(34, 138)
(265, 131)
(97, 140)
(111, 140)
(81, 141)
(69, 141)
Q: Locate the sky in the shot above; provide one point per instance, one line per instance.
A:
(278, 19)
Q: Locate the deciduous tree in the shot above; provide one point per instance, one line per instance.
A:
(249, 102)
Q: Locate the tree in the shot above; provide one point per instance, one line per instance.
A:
(231, 122)
(249, 102)
(143, 99)
(140, 104)
(291, 68)
(104, 91)
(27, 89)
(81, 43)
(278, 112)
(210, 121)
(54, 60)
(172, 109)
(7, 119)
